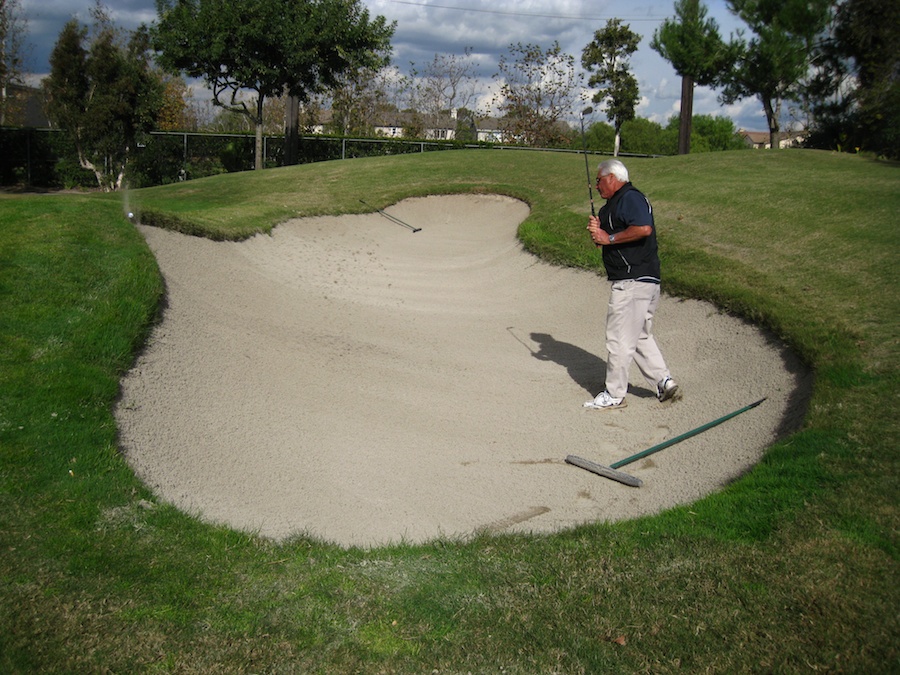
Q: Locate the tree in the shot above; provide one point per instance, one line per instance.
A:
(711, 134)
(268, 48)
(448, 83)
(537, 89)
(466, 125)
(176, 113)
(719, 133)
(361, 100)
(772, 63)
(13, 28)
(869, 33)
(691, 43)
(608, 53)
(599, 136)
(105, 95)
(645, 137)
(855, 93)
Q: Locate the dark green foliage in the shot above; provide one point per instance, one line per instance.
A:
(268, 47)
(710, 134)
(235, 154)
(68, 85)
(104, 96)
(27, 157)
(601, 136)
(855, 94)
(694, 48)
(771, 64)
(692, 44)
(608, 54)
(47, 159)
(466, 126)
(644, 137)
(598, 137)
(158, 162)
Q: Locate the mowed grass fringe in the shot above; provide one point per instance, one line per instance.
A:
(791, 568)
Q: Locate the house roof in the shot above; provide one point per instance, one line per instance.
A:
(762, 137)
(755, 136)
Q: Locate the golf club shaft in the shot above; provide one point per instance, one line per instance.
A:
(521, 341)
(587, 168)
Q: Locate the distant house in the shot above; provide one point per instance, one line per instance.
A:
(762, 139)
(317, 126)
(393, 124)
(490, 130)
(434, 128)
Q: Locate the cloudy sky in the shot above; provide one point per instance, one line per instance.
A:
(488, 27)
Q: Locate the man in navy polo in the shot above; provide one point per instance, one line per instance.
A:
(624, 228)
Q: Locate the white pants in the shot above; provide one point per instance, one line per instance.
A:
(629, 336)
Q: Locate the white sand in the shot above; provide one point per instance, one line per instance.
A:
(351, 380)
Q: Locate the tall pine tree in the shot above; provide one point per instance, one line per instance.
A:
(773, 62)
(607, 59)
(691, 43)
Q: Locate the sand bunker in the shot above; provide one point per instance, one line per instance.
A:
(348, 379)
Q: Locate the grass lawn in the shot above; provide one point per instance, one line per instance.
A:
(793, 568)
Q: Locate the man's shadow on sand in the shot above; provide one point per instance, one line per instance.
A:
(585, 368)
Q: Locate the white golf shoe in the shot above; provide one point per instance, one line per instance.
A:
(604, 401)
(667, 389)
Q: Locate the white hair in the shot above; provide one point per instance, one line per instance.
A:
(615, 167)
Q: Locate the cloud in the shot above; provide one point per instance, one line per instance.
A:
(429, 27)
(46, 18)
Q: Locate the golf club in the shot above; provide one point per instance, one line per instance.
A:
(393, 219)
(611, 472)
(521, 341)
(587, 169)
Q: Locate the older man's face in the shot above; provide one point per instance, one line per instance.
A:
(607, 185)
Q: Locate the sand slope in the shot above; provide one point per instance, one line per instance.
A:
(351, 380)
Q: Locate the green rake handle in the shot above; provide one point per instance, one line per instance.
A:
(678, 439)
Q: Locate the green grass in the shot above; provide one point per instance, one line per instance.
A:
(792, 568)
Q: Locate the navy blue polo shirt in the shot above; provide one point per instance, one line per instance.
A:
(638, 260)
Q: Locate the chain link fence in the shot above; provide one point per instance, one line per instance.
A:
(45, 158)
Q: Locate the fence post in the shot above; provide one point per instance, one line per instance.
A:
(28, 156)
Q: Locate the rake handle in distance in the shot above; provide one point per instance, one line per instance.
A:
(394, 219)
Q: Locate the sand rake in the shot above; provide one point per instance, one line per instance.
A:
(394, 219)
(627, 479)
